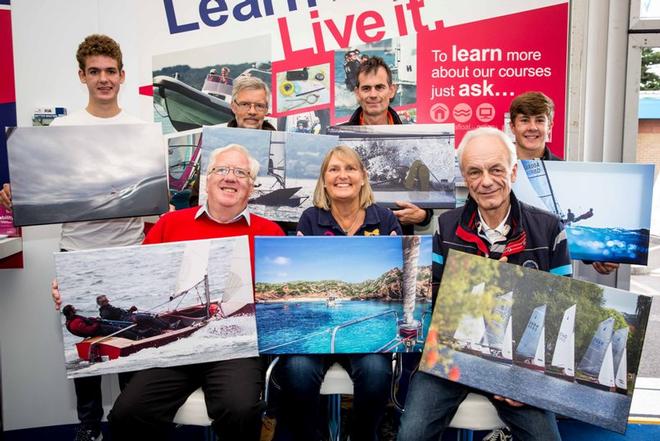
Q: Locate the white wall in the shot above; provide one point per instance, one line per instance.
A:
(46, 34)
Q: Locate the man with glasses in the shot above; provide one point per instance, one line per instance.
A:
(250, 104)
(232, 388)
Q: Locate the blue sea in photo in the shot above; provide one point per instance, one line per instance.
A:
(608, 244)
(306, 327)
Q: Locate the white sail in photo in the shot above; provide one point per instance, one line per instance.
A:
(563, 356)
(237, 295)
(620, 353)
(531, 348)
(598, 361)
(471, 330)
(194, 266)
(498, 327)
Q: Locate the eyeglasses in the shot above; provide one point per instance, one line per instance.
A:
(224, 171)
(245, 106)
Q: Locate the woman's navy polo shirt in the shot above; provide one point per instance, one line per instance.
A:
(378, 221)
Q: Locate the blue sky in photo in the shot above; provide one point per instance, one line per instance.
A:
(351, 259)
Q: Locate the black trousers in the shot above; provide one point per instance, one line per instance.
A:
(232, 388)
(89, 400)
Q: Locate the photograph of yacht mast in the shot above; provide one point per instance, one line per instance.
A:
(323, 295)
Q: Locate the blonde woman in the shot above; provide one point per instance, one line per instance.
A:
(343, 206)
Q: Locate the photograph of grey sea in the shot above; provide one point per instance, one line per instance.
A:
(139, 307)
(81, 173)
(553, 342)
(404, 165)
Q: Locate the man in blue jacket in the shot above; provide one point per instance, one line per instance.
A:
(493, 224)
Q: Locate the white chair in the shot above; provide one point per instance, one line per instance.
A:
(476, 412)
(193, 413)
(336, 382)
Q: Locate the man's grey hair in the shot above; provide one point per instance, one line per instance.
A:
(487, 131)
(254, 164)
(245, 82)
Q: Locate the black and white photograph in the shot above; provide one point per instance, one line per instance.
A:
(81, 173)
(406, 163)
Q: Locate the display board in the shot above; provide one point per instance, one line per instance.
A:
(453, 63)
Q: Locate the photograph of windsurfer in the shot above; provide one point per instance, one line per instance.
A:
(289, 166)
(193, 87)
(138, 307)
(513, 331)
(400, 54)
(325, 295)
(407, 167)
(603, 222)
(80, 173)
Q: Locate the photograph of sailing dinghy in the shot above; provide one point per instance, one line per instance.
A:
(183, 152)
(139, 307)
(193, 87)
(406, 163)
(289, 167)
(323, 295)
(603, 221)
(514, 331)
(81, 173)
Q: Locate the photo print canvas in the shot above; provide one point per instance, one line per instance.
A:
(169, 304)
(80, 173)
(553, 342)
(323, 295)
(603, 222)
(406, 163)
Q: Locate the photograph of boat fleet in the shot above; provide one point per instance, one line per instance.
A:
(75, 173)
(514, 331)
(583, 194)
(322, 295)
(138, 307)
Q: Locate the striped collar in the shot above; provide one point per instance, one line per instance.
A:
(203, 209)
